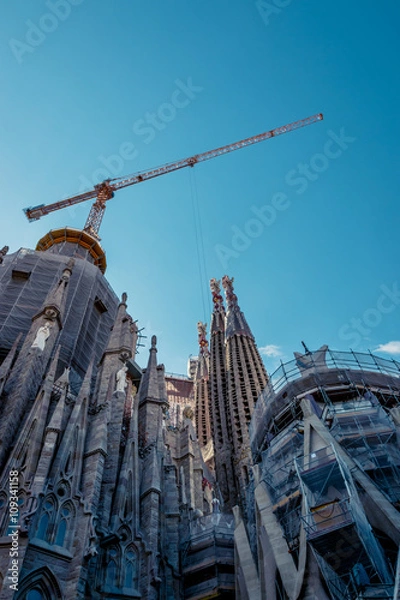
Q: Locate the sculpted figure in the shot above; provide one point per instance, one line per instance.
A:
(121, 379)
(42, 335)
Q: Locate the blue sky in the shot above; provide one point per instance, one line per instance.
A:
(87, 91)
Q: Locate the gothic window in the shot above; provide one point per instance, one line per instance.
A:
(65, 517)
(130, 580)
(46, 519)
(112, 568)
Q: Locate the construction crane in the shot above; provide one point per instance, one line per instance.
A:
(104, 191)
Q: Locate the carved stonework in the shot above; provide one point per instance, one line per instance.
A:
(203, 343)
(42, 336)
(215, 286)
(231, 297)
(121, 381)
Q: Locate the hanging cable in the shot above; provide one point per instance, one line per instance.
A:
(201, 262)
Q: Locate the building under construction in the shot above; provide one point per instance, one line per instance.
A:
(120, 481)
(229, 484)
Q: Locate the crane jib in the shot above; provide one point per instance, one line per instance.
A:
(104, 190)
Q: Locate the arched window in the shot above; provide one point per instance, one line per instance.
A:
(65, 517)
(112, 568)
(43, 530)
(111, 573)
(130, 578)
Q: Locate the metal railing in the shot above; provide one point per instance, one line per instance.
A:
(315, 362)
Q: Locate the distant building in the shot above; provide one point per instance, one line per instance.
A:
(121, 481)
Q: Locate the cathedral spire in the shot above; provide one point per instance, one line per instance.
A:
(218, 316)
(202, 388)
(246, 379)
(219, 408)
(54, 304)
(29, 368)
(123, 336)
(149, 387)
(235, 319)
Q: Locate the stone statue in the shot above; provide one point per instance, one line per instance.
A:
(42, 335)
(121, 379)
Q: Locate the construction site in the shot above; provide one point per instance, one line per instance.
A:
(227, 483)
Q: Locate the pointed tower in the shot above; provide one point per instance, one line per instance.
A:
(30, 366)
(219, 409)
(202, 388)
(111, 389)
(152, 405)
(246, 378)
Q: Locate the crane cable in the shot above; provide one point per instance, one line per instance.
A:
(199, 236)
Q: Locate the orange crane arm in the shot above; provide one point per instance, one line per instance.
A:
(105, 191)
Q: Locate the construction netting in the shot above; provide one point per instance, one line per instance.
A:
(26, 278)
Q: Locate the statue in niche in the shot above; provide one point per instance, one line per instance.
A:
(42, 335)
(121, 379)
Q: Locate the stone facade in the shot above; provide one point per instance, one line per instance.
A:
(281, 487)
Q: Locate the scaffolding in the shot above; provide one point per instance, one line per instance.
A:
(279, 474)
(350, 557)
(369, 436)
(331, 378)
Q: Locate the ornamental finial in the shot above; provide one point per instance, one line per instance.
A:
(202, 331)
(231, 297)
(215, 286)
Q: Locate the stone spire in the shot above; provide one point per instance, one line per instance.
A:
(246, 379)
(149, 387)
(202, 388)
(219, 408)
(218, 315)
(26, 452)
(235, 319)
(26, 375)
(123, 336)
(54, 304)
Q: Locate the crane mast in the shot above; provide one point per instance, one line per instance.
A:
(104, 191)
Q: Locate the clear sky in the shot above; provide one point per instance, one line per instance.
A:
(307, 223)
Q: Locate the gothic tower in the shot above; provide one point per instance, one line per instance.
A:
(246, 378)
(202, 389)
(220, 413)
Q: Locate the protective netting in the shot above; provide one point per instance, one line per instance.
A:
(27, 276)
